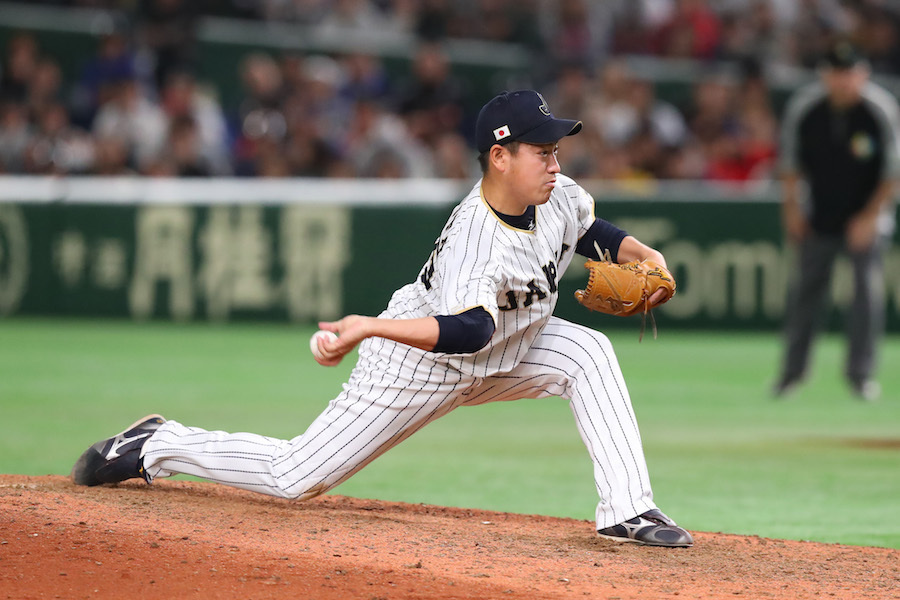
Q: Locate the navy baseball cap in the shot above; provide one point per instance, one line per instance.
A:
(521, 116)
(843, 55)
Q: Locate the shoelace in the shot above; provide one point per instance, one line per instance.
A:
(647, 311)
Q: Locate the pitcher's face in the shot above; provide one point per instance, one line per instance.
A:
(532, 172)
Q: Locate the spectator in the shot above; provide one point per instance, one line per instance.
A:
(689, 162)
(583, 154)
(628, 115)
(20, 62)
(111, 157)
(308, 153)
(291, 66)
(813, 30)
(185, 148)
(316, 98)
(114, 61)
(631, 32)
(751, 34)
(646, 153)
(160, 166)
(260, 117)
(572, 89)
(433, 19)
(401, 15)
(57, 148)
(168, 30)
(44, 85)
(271, 161)
(131, 116)
(725, 158)
(374, 132)
(760, 132)
(182, 97)
(712, 113)
(660, 119)
(568, 36)
(262, 80)
(738, 129)
(364, 77)
(878, 36)
(452, 157)
(509, 21)
(609, 110)
(320, 103)
(317, 117)
(15, 136)
(431, 100)
(617, 165)
(693, 31)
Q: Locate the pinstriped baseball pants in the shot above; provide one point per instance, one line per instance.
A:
(386, 400)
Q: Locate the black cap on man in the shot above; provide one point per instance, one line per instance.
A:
(521, 116)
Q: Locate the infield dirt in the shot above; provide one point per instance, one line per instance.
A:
(178, 539)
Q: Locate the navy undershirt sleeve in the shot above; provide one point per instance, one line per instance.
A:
(608, 237)
(466, 332)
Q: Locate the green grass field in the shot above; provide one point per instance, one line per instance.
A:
(723, 456)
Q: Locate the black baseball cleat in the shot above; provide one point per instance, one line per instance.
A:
(117, 458)
(652, 528)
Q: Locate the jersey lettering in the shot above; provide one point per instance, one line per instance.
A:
(533, 290)
(511, 302)
(550, 271)
(428, 271)
(427, 274)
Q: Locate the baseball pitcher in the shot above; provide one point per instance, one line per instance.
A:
(475, 326)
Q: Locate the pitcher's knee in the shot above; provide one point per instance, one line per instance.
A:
(597, 351)
(308, 485)
(316, 490)
(602, 341)
(299, 490)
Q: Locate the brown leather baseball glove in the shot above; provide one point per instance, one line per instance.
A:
(624, 290)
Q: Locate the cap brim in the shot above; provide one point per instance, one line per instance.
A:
(550, 131)
(840, 66)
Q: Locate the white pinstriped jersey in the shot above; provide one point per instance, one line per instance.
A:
(396, 389)
(512, 273)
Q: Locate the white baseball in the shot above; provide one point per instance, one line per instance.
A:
(314, 341)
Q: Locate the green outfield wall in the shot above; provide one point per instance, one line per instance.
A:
(304, 250)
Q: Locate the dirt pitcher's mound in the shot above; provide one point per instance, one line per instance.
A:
(199, 540)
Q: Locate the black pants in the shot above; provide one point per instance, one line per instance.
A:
(808, 295)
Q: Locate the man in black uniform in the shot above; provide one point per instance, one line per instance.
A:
(840, 136)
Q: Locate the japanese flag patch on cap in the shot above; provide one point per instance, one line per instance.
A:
(520, 116)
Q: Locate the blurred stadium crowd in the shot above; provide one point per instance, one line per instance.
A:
(139, 104)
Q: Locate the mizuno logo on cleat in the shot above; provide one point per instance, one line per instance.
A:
(121, 441)
(634, 528)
